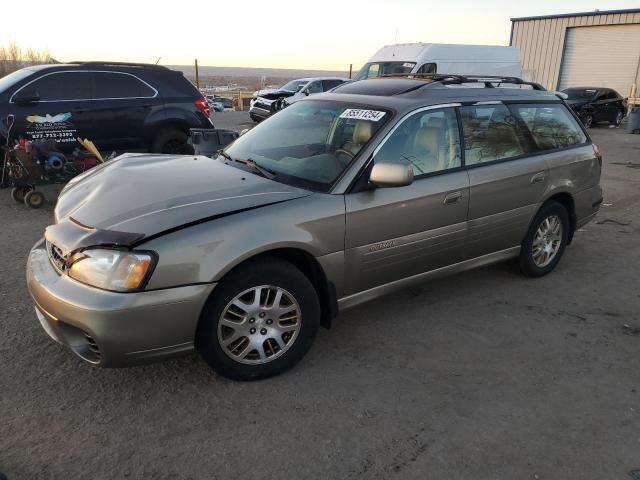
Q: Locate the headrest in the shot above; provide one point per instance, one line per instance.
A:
(362, 132)
(435, 122)
(427, 140)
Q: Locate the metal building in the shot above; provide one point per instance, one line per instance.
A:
(600, 48)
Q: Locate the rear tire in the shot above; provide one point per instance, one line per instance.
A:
(170, 141)
(545, 241)
(34, 199)
(259, 321)
(619, 117)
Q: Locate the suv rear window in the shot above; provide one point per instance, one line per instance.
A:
(490, 133)
(551, 126)
(62, 86)
(119, 85)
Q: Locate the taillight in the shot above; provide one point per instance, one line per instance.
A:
(203, 106)
(598, 153)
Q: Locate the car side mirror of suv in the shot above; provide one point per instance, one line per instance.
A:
(391, 174)
(26, 97)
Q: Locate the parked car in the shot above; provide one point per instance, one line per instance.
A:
(119, 106)
(271, 101)
(429, 58)
(595, 104)
(214, 105)
(336, 200)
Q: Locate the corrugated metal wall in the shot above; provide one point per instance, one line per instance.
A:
(541, 42)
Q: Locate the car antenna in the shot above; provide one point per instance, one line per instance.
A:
(158, 61)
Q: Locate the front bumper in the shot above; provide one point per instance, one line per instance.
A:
(258, 112)
(114, 329)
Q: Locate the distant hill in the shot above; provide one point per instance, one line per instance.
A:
(206, 71)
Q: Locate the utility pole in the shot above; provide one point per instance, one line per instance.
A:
(197, 76)
(350, 70)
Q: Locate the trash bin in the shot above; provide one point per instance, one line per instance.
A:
(633, 120)
(207, 141)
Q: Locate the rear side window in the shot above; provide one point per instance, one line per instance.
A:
(490, 133)
(551, 126)
(62, 86)
(119, 85)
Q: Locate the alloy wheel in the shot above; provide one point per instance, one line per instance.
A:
(547, 241)
(259, 325)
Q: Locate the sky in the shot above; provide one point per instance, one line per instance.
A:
(323, 35)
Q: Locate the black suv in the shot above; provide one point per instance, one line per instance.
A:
(595, 104)
(119, 106)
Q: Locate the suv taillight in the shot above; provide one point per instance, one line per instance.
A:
(203, 106)
(596, 150)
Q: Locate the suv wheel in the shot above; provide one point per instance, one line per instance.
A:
(171, 141)
(587, 120)
(259, 321)
(618, 119)
(546, 240)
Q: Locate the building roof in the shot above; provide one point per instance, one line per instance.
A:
(578, 14)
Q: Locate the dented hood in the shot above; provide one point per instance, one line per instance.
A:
(146, 195)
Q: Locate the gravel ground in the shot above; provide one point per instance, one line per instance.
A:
(483, 375)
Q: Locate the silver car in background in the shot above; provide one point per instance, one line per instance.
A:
(338, 199)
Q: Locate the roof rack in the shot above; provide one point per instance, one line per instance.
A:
(453, 79)
(119, 64)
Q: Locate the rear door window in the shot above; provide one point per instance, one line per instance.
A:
(329, 84)
(62, 86)
(491, 133)
(115, 85)
(551, 126)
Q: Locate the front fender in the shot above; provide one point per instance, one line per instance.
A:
(206, 252)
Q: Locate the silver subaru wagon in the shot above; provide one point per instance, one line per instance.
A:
(336, 200)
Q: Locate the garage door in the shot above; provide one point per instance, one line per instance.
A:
(603, 56)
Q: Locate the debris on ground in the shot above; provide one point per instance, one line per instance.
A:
(630, 330)
(624, 223)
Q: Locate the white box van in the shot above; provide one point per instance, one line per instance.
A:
(405, 58)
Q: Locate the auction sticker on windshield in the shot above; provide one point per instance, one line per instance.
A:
(359, 114)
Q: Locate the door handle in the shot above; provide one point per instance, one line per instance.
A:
(538, 177)
(453, 197)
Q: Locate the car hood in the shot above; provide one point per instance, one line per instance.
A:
(146, 195)
(277, 94)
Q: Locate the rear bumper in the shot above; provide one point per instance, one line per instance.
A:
(114, 329)
(587, 205)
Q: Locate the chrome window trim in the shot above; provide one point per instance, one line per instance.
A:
(87, 99)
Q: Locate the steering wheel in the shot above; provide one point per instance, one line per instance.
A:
(346, 152)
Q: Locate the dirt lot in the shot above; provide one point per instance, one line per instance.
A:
(483, 375)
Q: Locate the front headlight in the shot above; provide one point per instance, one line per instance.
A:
(116, 270)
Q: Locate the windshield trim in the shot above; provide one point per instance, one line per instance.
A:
(319, 187)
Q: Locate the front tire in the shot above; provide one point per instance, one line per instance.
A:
(34, 199)
(546, 240)
(587, 120)
(259, 321)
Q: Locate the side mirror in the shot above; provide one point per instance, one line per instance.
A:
(26, 97)
(391, 174)
(306, 92)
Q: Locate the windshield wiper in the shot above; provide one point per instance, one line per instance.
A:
(249, 163)
(224, 154)
(254, 166)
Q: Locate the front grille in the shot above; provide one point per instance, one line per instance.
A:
(56, 257)
(264, 106)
